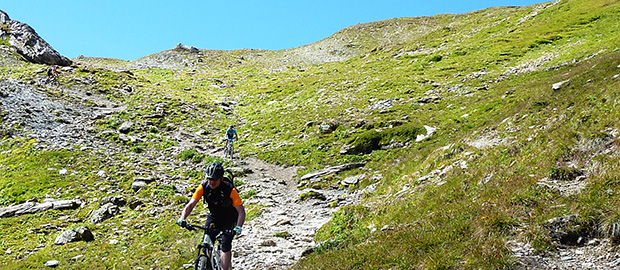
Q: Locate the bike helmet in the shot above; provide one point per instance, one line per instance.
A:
(214, 171)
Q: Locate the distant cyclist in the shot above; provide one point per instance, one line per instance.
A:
(231, 134)
(225, 208)
(52, 73)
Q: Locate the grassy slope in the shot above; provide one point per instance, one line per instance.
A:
(468, 61)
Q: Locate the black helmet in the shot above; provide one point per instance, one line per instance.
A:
(214, 171)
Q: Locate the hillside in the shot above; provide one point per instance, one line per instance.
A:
(485, 140)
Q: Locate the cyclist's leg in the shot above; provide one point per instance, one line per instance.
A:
(226, 260)
(226, 256)
(227, 247)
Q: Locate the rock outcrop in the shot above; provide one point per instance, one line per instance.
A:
(31, 207)
(25, 41)
(77, 234)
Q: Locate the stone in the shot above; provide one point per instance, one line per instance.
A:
(558, 85)
(268, 243)
(353, 180)
(85, 234)
(32, 207)
(125, 127)
(52, 263)
(77, 257)
(137, 185)
(106, 211)
(78, 234)
(116, 200)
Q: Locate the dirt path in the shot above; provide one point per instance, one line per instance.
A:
(286, 227)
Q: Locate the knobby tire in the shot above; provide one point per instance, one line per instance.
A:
(203, 263)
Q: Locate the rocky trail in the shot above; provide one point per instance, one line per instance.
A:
(286, 227)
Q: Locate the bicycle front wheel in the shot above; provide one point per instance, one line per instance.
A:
(202, 263)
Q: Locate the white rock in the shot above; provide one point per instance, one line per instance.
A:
(52, 263)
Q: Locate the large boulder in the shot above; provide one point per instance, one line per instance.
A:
(77, 234)
(28, 43)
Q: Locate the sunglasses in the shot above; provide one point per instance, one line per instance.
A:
(212, 179)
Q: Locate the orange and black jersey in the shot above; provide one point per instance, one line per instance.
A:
(221, 201)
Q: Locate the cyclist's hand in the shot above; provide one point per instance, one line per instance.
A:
(238, 230)
(181, 222)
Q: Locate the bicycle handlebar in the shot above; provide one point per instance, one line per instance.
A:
(192, 227)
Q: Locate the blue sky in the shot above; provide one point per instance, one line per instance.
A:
(128, 29)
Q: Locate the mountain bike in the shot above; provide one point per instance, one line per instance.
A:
(208, 256)
(229, 149)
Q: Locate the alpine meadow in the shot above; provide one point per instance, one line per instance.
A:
(484, 140)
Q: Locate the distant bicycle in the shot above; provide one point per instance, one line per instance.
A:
(231, 134)
(208, 256)
(229, 149)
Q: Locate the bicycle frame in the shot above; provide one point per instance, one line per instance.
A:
(229, 150)
(208, 249)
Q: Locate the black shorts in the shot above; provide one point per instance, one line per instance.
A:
(222, 225)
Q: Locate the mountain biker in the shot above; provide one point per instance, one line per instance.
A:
(52, 73)
(225, 207)
(230, 134)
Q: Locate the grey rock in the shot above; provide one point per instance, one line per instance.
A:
(181, 47)
(348, 149)
(325, 129)
(558, 85)
(106, 211)
(11, 210)
(137, 185)
(29, 44)
(52, 263)
(78, 234)
(268, 243)
(85, 234)
(32, 207)
(144, 179)
(116, 200)
(382, 104)
(240, 170)
(135, 204)
(353, 180)
(125, 127)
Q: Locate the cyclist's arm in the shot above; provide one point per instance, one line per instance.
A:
(189, 207)
(192, 202)
(238, 204)
(241, 218)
